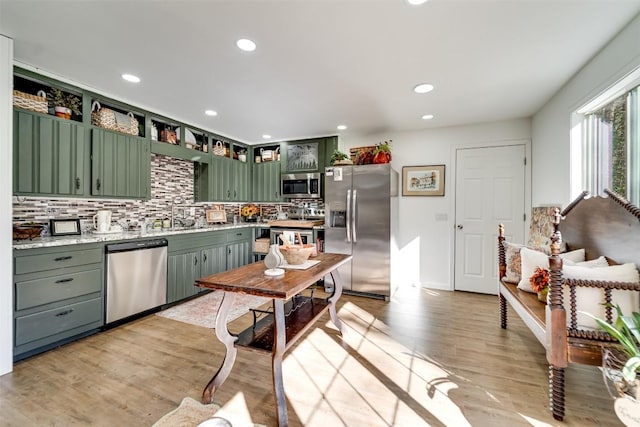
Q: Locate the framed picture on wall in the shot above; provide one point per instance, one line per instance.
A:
(302, 157)
(423, 180)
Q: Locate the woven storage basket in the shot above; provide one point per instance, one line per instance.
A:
(37, 103)
(218, 149)
(106, 118)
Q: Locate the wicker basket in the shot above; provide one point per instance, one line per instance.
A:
(27, 231)
(37, 103)
(219, 149)
(109, 119)
(261, 245)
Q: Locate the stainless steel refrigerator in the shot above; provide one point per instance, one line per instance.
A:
(359, 206)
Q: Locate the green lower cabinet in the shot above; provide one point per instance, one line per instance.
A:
(238, 254)
(214, 260)
(266, 182)
(120, 165)
(239, 247)
(50, 155)
(183, 270)
(58, 296)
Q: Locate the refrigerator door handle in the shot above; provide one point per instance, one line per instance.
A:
(354, 214)
(348, 218)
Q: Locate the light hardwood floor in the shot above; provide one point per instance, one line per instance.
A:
(426, 357)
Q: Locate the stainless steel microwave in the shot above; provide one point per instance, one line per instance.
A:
(301, 186)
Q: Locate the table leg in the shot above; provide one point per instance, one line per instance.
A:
(228, 340)
(335, 296)
(279, 343)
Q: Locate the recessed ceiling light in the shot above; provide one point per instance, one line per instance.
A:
(246, 45)
(265, 136)
(416, 2)
(423, 88)
(427, 117)
(131, 78)
(211, 113)
(341, 127)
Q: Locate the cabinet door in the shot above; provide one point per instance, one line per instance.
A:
(238, 254)
(217, 182)
(240, 181)
(183, 270)
(214, 260)
(119, 165)
(266, 182)
(49, 155)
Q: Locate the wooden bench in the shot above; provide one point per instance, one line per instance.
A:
(608, 226)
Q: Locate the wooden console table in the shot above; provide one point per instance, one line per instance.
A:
(276, 332)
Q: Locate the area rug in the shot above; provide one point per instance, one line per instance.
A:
(202, 311)
(192, 413)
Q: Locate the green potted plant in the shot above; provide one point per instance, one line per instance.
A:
(626, 329)
(340, 158)
(382, 153)
(64, 103)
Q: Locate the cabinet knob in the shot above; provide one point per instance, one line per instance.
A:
(459, 226)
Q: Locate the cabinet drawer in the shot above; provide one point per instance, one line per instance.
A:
(46, 323)
(32, 293)
(43, 262)
(239, 234)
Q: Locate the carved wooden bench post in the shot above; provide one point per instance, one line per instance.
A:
(556, 326)
(502, 271)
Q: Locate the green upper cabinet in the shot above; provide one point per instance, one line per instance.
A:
(50, 155)
(307, 155)
(120, 165)
(222, 180)
(266, 182)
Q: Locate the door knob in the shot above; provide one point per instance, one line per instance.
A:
(459, 226)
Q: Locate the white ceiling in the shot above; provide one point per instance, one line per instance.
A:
(319, 63)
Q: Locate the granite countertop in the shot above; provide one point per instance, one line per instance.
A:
(45, 242)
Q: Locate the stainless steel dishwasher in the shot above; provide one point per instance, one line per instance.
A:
(136, 278)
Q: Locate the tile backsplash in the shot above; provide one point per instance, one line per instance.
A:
(171, 183)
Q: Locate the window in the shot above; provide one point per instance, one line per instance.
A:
(610, 142)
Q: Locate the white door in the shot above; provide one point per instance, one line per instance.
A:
(489, 191)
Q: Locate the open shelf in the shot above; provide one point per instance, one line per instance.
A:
(31, 86)
(139, 117)
(297, 320)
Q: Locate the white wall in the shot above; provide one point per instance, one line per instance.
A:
(6, 260)
(551, 125)
(425, 232)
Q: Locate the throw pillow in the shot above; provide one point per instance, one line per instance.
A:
(512, 258)
(590, 300)
(598, 262)
(533, 259)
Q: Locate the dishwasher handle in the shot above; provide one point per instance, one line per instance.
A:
(136, 245)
